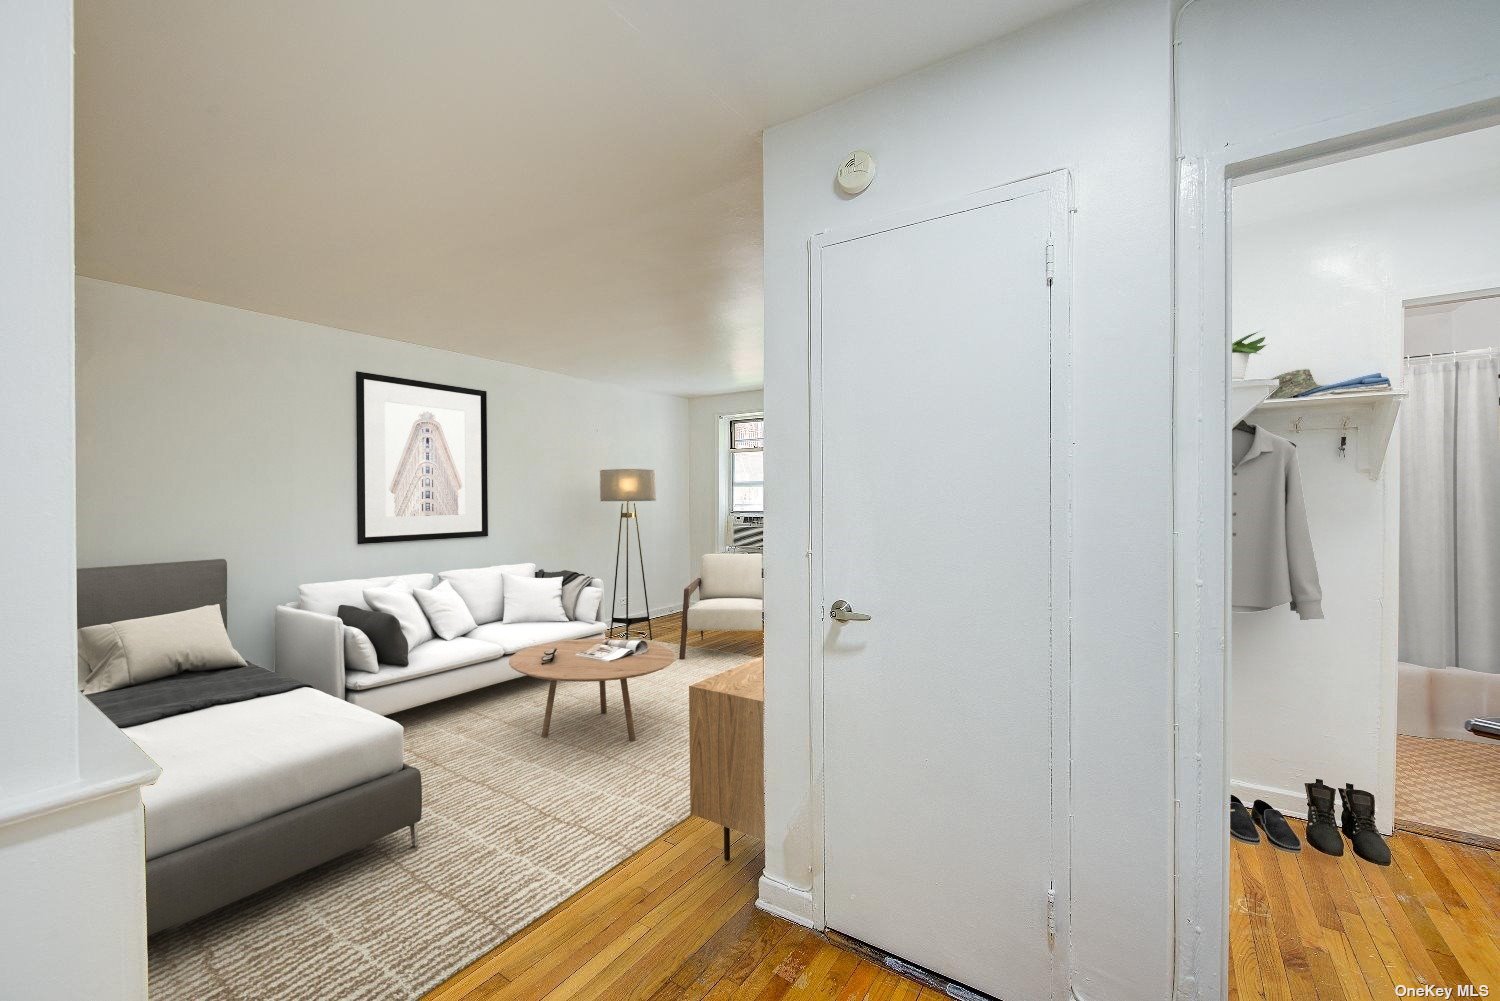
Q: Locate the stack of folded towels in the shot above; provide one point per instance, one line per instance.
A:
(1361, 384)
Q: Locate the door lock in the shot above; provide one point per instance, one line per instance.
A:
(842, 611)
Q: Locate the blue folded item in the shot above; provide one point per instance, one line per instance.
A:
(1372, 381)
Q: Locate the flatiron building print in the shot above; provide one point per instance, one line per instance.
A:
(426, 481)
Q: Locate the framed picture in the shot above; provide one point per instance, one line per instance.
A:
(421, 460)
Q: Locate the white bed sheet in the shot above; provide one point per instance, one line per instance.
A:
(229, 766)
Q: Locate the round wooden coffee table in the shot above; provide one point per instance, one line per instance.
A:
(569, 666)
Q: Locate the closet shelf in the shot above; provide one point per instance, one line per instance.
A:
(1246, 394)
(1368, 419)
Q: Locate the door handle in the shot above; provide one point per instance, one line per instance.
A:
(842, 611)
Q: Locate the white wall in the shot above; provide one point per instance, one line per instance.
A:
(708, 468)
(72, 836)
(1458, 326)
(1016, 108)
(73, 917)
(1259, 85)
(38, 717)
(206, 431)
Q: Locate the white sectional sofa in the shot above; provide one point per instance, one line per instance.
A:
(310, 642)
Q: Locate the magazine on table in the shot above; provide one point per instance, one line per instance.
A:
(614, 649)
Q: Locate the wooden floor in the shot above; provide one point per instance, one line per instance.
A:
(668, 629)
(1307, 926)
(676, 923)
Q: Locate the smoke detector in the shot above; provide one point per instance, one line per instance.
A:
(856, 172)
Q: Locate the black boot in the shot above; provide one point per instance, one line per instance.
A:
(1359, 826)
(1321, 832)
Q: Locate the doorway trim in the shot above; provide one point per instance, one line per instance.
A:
(1206, 171)
(1056, 186)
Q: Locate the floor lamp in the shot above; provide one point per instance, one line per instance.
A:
(628, 486)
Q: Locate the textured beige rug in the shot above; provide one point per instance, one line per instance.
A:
(1448, 786)
(512, 824)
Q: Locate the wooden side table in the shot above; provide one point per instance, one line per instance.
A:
(726, 719)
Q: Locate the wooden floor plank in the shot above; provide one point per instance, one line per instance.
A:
(733, 961)
(1413, 922)
(1297, 879)
(1470, 876)
(1243, 968)
(1261, 918)
(1293, 947)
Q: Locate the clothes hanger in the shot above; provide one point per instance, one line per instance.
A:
(1249, 428)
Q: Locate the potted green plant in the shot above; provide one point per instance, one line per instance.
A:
(1241, 350)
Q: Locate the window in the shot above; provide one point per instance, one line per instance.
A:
(747, 465)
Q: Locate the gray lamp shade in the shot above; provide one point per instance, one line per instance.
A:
(627, 484)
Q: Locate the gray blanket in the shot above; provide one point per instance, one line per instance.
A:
(189, 692)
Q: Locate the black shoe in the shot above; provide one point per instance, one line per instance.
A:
(1322, 834)
(1278, 831)
(1359, 826)
(1241, 827)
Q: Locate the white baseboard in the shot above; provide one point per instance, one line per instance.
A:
(796, 905)
(658, 611)
(1291, 803)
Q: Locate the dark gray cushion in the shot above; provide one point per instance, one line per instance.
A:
(384, 631)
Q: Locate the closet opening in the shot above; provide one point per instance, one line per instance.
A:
(1364, 531)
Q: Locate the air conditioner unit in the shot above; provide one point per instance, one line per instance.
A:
(747, 533)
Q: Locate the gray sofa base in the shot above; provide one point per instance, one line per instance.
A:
(195, 880)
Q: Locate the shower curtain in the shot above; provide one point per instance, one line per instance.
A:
(1450, 519)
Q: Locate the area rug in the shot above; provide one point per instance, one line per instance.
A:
(512, 825)
(1449, 788)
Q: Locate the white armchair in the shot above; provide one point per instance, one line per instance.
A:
(730, 596)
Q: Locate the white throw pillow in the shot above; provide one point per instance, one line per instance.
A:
(446, 611)
(588, 604)
(482, 588)
(398, 600)
(327, 596)
(359, 652)
(534, 599)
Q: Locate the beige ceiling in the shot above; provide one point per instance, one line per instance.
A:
(572, 185)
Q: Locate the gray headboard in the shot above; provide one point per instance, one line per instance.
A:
(109, 594)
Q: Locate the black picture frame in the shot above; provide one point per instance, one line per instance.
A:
(361, 379)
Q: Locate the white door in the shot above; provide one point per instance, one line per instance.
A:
(941, 516)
